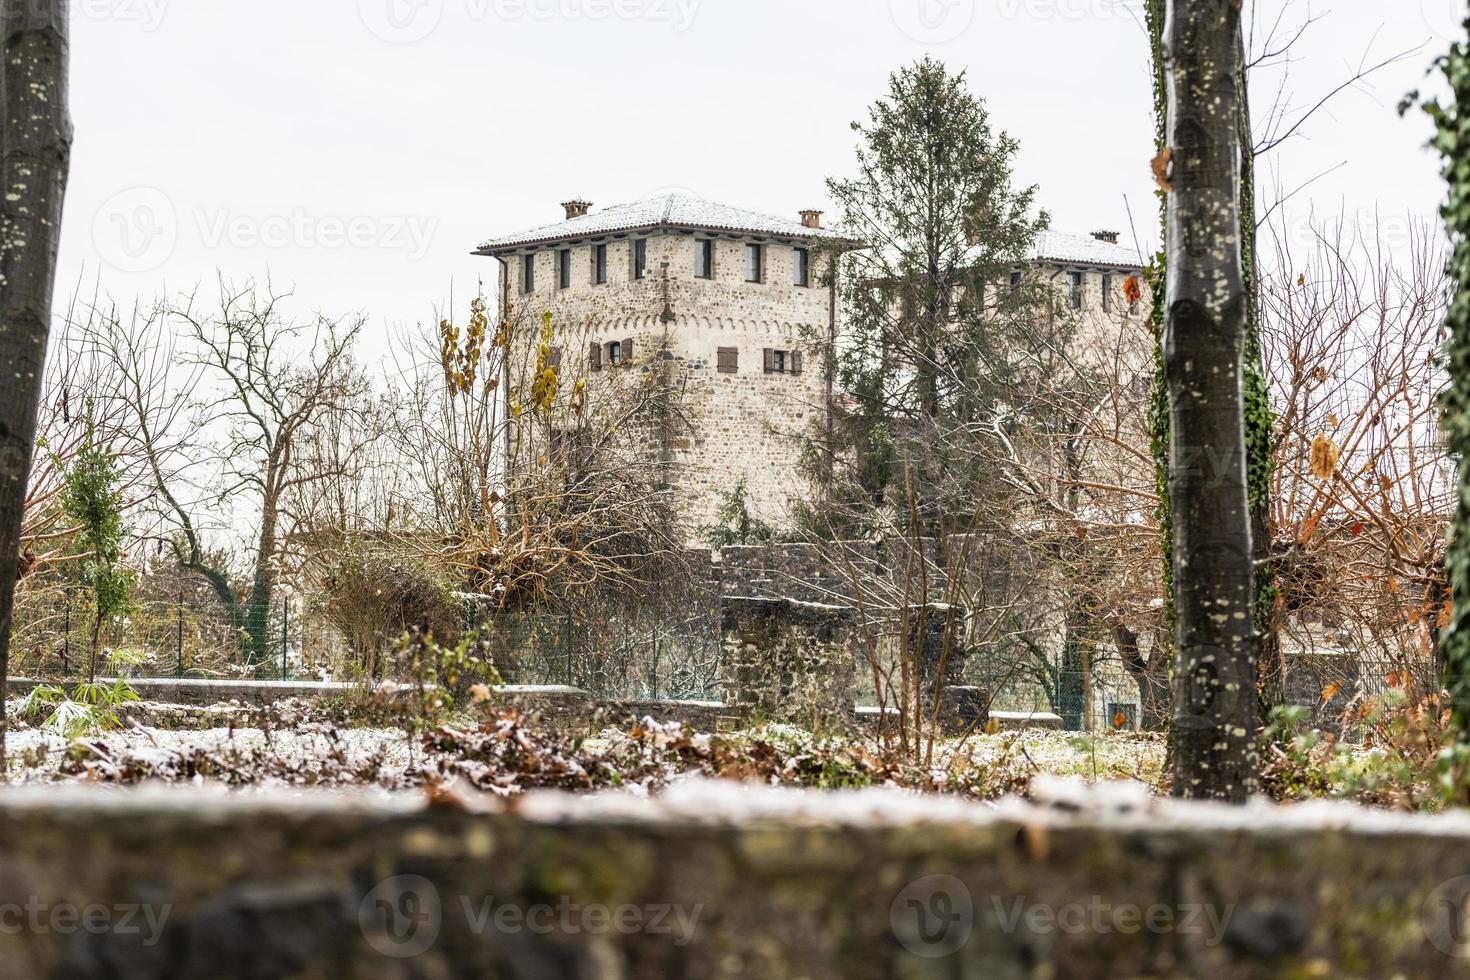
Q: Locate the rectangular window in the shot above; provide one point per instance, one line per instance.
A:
(564, 269)
(782, 361)
(640, 258)
(727, 360)
(979, 295)
(704, 258)
(754, 262)
(599, 264)
(1074, 290)
(528, 273)
(1015, 281)
(1107, 293)
(802, 271)
(615, 353)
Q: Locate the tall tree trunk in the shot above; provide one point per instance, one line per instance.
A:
(263, 584)
(1204, 344)
(35, 155)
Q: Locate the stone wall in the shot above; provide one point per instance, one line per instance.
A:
(719, 882)
(790, 661)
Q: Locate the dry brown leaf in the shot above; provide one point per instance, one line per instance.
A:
(1324, 457)
(1133, 289)
(1308, 529)
(1161, 169)
(1037, 841)
(1330, 691)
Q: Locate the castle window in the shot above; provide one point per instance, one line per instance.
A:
(802, 271)
(618, 353)
(727, 360)
(782, 361)
(599, 264)
(1015, 281)
(704, 258)
(1074, 290)
(979, 294)
(564, 268)
(528, 273)
(1107, 293)
(754, 262)
(640, 258)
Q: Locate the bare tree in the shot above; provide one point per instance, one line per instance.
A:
(261, 388)
(35, 155)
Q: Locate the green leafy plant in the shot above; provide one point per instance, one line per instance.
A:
(91, 497)
(734, 523)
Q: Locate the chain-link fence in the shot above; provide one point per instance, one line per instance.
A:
(613, 659)
(56, 636)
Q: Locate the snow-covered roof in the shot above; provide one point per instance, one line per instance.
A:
(662, 211)
(1059, 246)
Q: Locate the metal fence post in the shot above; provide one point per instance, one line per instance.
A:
(285, 625)
(179, 650)
(567, 627)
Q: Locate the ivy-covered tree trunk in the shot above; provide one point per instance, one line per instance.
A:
(35, 156)
(1453, 142)
(1205, 339)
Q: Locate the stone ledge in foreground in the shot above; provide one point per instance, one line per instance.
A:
(719, 880)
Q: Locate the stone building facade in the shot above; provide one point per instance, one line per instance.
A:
(730, 307)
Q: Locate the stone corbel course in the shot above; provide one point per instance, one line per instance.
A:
(719, 881)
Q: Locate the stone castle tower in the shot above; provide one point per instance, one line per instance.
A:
(731, 305)
(730, 301)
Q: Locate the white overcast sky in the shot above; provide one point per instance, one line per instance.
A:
(357, 150)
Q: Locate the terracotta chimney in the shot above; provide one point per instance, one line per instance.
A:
(576, 208)
(811, 219)
(1111, 237)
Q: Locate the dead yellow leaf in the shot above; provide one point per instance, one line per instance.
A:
(1330, 691)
